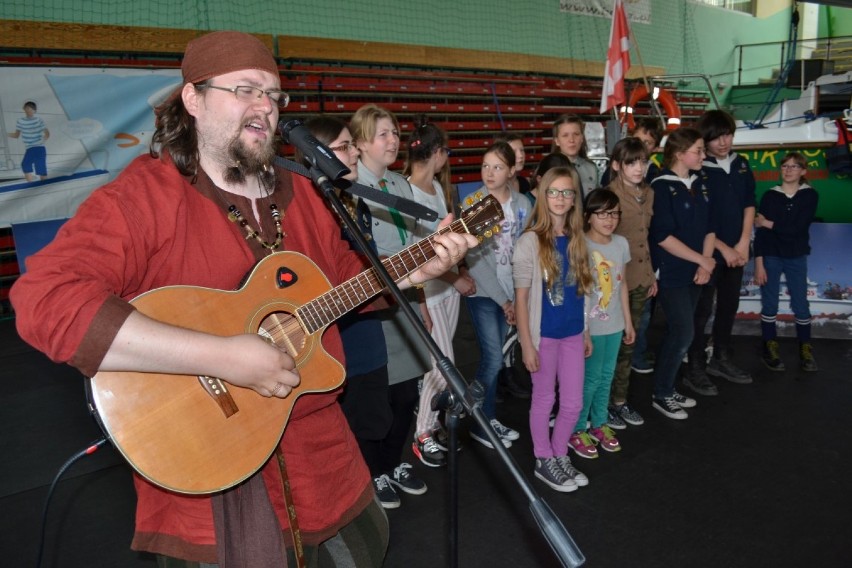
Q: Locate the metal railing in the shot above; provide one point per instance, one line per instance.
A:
(828, 48)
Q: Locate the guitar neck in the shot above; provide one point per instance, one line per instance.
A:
(338, 301)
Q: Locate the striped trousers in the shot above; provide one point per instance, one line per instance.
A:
(445, 319)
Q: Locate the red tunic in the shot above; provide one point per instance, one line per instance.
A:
(151, 228)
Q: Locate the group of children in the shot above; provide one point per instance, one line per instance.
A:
(574, 268)
(590, 260)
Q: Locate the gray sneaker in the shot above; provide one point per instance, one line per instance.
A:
(724, 369)
(549, 471)
(630, 416)
(579, 478)
(698, 382)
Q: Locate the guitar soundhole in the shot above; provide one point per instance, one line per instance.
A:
(283, 330)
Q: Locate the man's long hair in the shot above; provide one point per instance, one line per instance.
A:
(175, 135)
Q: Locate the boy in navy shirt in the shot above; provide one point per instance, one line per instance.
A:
(730, 183)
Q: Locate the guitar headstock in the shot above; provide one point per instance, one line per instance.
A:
(482, 215)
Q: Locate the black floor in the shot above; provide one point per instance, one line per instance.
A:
(756, 477)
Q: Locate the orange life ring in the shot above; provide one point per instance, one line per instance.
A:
(666, 100)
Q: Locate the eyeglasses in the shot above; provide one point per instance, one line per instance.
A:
(343, 148)
(249, 94)
(791, 167)
(698, 152)
(608, 214)
(566, 193)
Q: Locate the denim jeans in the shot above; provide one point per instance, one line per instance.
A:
(795, 271)
(679, 307)
(490, 326)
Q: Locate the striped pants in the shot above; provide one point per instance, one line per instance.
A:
(445, 319)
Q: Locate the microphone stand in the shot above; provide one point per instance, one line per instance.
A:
(447, 401)
(471, 398)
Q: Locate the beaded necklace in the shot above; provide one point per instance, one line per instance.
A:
(236, 216)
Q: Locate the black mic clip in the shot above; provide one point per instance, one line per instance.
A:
(318, 155)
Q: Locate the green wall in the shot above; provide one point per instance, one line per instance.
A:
(835, 21)
(683, 37)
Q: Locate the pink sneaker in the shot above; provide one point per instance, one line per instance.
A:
(582, 443)
(606, 438)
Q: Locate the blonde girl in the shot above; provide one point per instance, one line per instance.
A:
(552, 276)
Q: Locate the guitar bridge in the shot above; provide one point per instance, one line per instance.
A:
(219, 392)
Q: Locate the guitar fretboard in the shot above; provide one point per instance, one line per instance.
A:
(338, 301)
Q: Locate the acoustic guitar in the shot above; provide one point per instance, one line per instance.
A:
(200, 434)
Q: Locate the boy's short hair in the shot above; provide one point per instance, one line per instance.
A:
(715, 123)
(30, 104)
(649, 125)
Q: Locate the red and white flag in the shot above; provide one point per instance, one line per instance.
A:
(617, 59)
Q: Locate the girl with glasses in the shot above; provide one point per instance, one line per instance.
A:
(682, 242)
(609, 321)
(552, 277)
(364, 400)
(781, 246)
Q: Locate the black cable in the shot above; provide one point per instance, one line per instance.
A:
(90, 449)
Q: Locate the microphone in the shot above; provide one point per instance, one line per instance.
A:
(316, 153)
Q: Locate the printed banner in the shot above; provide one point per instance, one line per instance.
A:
(829, 288)
(638, 11)
(93, 122)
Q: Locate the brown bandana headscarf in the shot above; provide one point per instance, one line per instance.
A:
(219, 53)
